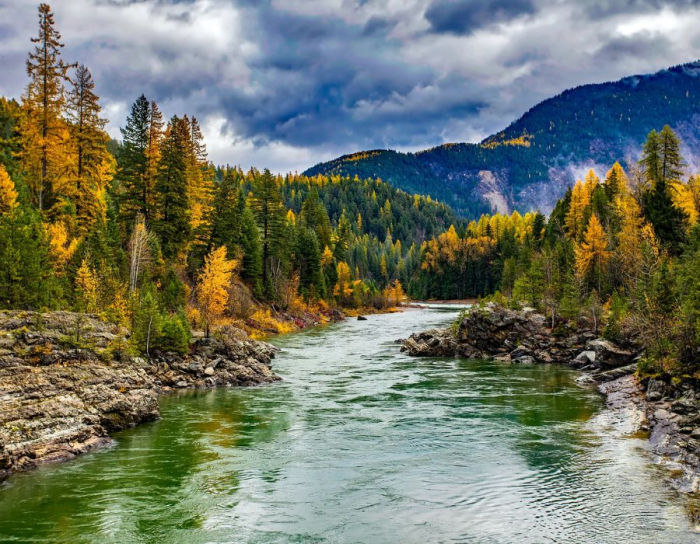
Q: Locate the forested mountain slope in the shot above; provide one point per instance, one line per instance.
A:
(530, 164)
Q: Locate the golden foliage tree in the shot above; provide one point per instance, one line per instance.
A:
(86, 286)
(592, 254)
(8, 194)
(213, 287)
(44, 134)
(61, 245)
(343, 285)
(575, 218)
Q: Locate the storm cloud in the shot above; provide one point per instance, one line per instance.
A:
(467, 16)
(288, 83)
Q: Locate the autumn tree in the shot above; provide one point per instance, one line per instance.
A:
(575, 217)
(213, 286)
(592, 254)
(8, 194)
(93, 165)
(86, 286)
(44, 134)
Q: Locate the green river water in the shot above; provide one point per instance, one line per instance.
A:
(360, 443)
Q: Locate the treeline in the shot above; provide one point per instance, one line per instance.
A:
(149, 233)
(623, 254)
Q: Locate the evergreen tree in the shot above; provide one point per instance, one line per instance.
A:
(135, 166)
(315, 217)
(308, 263)
(173, 221)
(663, 163)
(270, 215)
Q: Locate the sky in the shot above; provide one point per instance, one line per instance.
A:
(286, 84)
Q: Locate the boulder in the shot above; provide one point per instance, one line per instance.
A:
(609, 355)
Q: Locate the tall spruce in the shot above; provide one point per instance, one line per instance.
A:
(172, 222)
(134, 163)
(270, 215)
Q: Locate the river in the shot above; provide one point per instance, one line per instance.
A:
(360, 443)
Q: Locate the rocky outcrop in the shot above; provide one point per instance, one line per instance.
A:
(67, 381)
(496, 332)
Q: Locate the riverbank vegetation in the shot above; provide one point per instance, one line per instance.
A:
(622, 253)
(150, 234)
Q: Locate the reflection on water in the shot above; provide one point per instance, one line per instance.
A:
(360, 443)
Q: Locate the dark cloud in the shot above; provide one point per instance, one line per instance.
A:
(643, 44)
(466, 16)
(292, 82)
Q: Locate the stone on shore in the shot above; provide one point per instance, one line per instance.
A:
(66, 382)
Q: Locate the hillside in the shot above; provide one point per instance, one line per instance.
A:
(530, 164)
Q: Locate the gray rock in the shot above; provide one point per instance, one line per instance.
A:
(524, 360)
(209, 371)
(608, 354)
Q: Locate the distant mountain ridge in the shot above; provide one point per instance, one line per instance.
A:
(531, 163)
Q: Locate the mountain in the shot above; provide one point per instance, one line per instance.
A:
(530, 164)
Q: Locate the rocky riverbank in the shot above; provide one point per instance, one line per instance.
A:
(668, 410)
(67, 381)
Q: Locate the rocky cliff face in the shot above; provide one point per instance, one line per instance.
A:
(669, 411)
(66, 382)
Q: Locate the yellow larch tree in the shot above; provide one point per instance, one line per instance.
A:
(86, 286)
(635, 241)
(343, 285)
(61, 246)
(213, 286)
(8, 194)
(592, 254)
(43, 132)
(574, 220)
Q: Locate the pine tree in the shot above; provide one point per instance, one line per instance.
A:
(270, 215)
(308, 263)
(135, 166)
(93, 165)
(152, 154)
(172, 223)
(663, 164)
(315, 217)
(43, 131)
